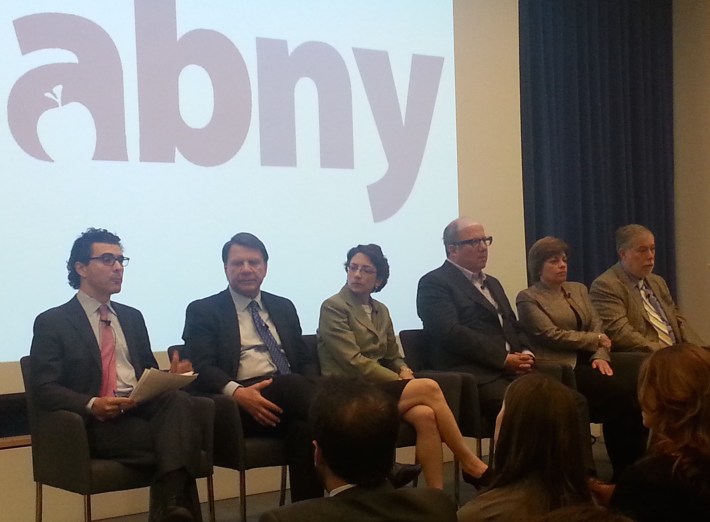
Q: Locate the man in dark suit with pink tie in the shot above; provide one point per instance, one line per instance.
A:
(86, 357)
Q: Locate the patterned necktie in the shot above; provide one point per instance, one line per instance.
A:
(108, 353)
(655, 314)
(277, 356)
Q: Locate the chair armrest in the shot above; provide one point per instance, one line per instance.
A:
(60, 450)
(203, 411)
(229, 439)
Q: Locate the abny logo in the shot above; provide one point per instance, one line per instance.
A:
(95, 81)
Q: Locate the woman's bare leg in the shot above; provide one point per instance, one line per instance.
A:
(426, 392)
(429, 452)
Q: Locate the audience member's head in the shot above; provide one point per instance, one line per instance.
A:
(374, 253)
(354, 425)
(538, 440)
(582, 513)
(674, 392)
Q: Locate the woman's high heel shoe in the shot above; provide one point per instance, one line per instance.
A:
(483, 481)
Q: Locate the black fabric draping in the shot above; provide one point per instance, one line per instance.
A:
(597, 126)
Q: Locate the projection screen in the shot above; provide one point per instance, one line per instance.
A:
(316, 125)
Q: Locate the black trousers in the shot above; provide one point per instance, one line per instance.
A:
(613, 402)
(491, 395)
(160, 432)
(293, 393)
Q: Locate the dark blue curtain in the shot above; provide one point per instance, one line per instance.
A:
(597, 126)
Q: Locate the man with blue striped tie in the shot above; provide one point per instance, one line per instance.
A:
(634, 304)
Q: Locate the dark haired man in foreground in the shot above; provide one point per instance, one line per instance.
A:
(354, 427)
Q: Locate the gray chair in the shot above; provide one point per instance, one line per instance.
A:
(471, 421)
(234, 450)
(61, 456)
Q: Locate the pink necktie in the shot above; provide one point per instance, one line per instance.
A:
(108, 354)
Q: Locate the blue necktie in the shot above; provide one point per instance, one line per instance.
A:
(656, 314)
(277, 356)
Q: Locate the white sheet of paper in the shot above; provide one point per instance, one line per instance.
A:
(154, 382)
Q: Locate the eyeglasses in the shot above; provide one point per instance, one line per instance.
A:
(354, 269)
(475, 242)
(110, 259)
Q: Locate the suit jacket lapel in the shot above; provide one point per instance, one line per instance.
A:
(358, 310)
(76, 316)
(507, 316)
(633, 290)
(231, 327)
(670, 315)
(635, 293)
(574, 302)
(467, 287)
(278, 317)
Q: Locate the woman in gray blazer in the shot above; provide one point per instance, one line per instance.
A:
(356, 339)
(564, 326)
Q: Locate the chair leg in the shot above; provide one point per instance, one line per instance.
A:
(243, 495)
(479, 447)
(38, 502)
(491, 449)
(87, 508)
(457, 482)
(210, 496)
(282, 495)
(415, 482)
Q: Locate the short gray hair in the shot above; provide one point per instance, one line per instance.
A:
(625, 235)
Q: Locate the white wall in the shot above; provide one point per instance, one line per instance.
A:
(691, 84)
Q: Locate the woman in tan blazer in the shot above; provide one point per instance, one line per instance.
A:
(564, 326)
(356, 339)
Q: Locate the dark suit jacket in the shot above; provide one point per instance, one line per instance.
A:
(213, 342)
(66, 359)
(462, 326)
(364, 505)
(625, 320)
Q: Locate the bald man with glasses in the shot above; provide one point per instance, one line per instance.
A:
(471, 327)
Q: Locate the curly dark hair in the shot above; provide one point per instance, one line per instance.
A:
(374, 252)
(81, 250)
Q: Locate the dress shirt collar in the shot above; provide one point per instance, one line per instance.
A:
(241, 302)
(90, 305)
(335, 491)
(479, 278)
